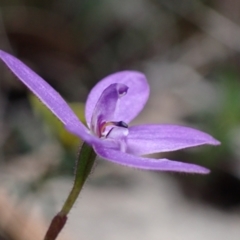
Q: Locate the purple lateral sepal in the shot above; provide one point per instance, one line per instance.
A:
(111, 105)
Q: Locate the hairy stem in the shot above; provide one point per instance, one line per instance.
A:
(83, 168)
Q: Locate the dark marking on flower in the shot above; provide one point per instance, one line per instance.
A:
(122, 124)
(109, 124)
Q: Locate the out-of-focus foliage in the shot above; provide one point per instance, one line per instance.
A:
(73, 44)
(223, 122)
(222, 186)
(67, 139)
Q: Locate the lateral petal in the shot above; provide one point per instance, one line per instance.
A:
(147, 139)
(147, 163)
(47, 95)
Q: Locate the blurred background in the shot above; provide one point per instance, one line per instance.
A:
(189, 51)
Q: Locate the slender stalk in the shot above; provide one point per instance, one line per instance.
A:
(83, 168)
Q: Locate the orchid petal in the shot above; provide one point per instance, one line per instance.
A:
(129, 106)
(147, 139)
(106, 106)
(47, 95)
(147, 163)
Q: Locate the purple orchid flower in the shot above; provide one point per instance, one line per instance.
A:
(111, 105)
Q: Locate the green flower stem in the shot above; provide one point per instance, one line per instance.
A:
(83, 168)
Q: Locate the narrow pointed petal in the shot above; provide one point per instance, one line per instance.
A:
(147, 139)
(47, 95)
(106, 106)
(148, 163)
(130, 105)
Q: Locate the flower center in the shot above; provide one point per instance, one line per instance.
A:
(106, 127)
